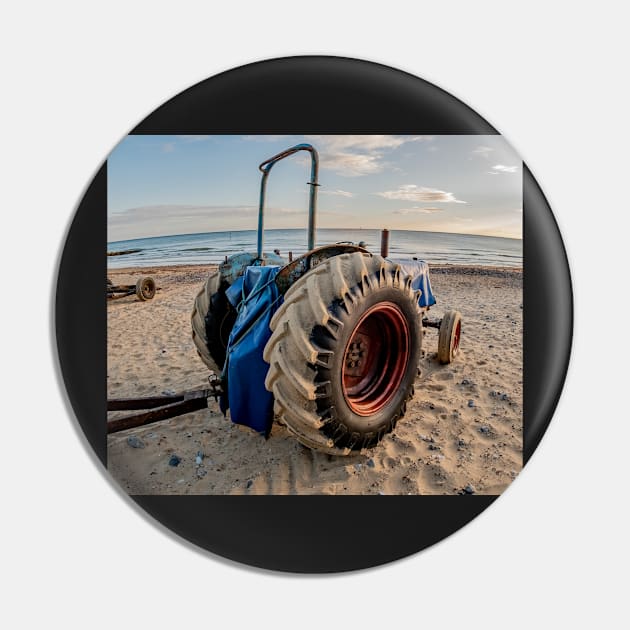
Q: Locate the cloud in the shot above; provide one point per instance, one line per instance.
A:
(500, 168)
(358, 155)
(338, 193)
(164, 219)
(168, 147)
(482, 151)
(161, 213)
(364, 143)
(417, 210)
(351, 164)
(411, 192)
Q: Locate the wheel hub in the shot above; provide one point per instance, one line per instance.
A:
(355, 353)
(376, 358)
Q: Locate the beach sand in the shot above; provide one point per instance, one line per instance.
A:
(463, 428)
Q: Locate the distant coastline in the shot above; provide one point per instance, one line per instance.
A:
(124, 252)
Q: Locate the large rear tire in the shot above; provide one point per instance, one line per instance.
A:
(344, 352)
(212, 320)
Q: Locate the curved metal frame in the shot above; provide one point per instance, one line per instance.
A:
(265, 167)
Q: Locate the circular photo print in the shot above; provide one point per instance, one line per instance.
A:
(311, 348)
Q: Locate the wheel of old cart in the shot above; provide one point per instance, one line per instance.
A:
(145, 288)
(212, 320)
(344, 352)
(449, 336)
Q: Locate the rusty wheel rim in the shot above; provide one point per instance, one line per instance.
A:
(375, 359)
(456, 337)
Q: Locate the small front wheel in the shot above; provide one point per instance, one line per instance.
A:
(145, 288)
(450, 336)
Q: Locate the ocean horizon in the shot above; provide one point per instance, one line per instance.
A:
(212, 247)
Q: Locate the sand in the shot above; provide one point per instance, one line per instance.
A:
(462, 430)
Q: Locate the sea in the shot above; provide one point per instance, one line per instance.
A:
(213, 247)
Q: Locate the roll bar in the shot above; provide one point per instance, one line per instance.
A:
(265, 167)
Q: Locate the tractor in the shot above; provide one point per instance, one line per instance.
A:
(327, 344)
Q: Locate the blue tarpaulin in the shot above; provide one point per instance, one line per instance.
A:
(419, 271)
(255, 296)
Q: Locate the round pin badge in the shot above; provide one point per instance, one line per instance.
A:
(316, 291)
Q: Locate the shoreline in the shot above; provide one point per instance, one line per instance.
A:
(438, 268)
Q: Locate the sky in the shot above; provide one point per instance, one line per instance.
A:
(162, 185)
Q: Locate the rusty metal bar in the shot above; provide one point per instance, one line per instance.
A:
(431, 323)
(121, 287)
(120, 404)
(183, 403)
(385, 243)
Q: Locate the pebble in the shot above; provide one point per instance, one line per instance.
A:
(461, 443)
(469, 489)
(135, 442)
(471, 403)
(357, 467)
(434, 447)
(484, 429)
(168, 392)
(504, 396)
(370, 463)
(201, 472)
(465, 382)
(174, 460)
(249, 483)
(199, 458)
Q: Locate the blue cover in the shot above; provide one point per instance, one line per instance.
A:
(255, 296)
(419, 271)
